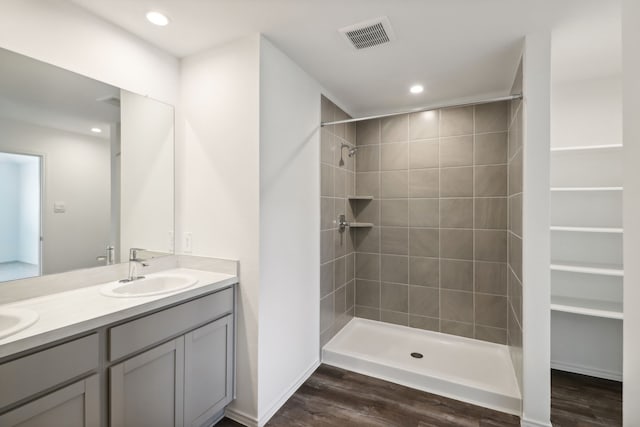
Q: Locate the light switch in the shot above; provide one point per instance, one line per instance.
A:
(59, 207)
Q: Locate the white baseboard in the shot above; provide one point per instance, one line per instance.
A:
(531, 423)
(587, 370)
(241, 417)
(288, 393)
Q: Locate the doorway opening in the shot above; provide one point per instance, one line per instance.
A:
(20, 216)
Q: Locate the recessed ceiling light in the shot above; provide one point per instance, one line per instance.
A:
(415, 89)
(157, 18)
(96, 130)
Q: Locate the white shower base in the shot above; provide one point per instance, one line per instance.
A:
(464, 369)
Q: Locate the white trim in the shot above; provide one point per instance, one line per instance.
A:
(586, 188)
(531, 423)
(613, 230)
(240, 417)
(264, 419)
(586, 370)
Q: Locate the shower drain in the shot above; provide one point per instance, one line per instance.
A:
(417, 355)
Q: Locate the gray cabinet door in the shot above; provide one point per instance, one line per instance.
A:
(208, 385)
(77, 405)
(147, 390)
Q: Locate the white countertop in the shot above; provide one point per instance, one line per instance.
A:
(81, 310)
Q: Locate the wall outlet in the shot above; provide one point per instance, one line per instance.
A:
(59, 207)
(188, 242)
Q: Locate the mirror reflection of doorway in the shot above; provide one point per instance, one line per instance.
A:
(20, 216)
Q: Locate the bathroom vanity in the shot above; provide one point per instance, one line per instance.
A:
(97, 360)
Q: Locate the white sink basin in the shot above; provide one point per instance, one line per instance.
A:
(13, 320)
(151, 285)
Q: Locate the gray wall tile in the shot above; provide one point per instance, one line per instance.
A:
(456, 305)
(367, 239)
(394, 317)
(456, 121)
(491, 117)
(424, 271)
(456, 244)
(491, 148)
(457, 328)
(368, 158)
(367, 266)
(456, 213)
(456, 182)
(491, 278)
(427, 323)
(368, 132)
(491, 180)
(394, 156)
(495, 335)
(456, 151)
(394, 240)
(367, 293)
(424, 242)
(424, 183)
(491, 245)
(424, 154)
(339, 272)
(424, 301)
(394, 128)
(367, 312)
(394, 184)
(423, 212)
(394, 213)
(394, 297)
(368, 184)
(394, 268)
(457, 275)
(491, 213)
(424, 124)
(491, 310)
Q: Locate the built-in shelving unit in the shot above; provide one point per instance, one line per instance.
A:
(586, 257)
(614, 230)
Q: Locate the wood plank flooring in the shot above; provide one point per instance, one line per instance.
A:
(581, 401)
(335, 397)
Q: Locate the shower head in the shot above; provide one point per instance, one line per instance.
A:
(352, 151)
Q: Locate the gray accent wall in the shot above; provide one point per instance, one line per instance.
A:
(337, 257)
(436, 257)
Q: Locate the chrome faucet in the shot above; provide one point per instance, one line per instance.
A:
(134, 261)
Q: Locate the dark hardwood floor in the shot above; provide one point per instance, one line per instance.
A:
(581, 401)
(335, 397)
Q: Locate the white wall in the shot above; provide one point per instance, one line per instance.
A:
(289, 224)
(77, 172)
(62, 34)
(29, 244)
(631, 135)
(586, 112)
(146, 174)
(9, 213)
(218, 167)
(536, 390)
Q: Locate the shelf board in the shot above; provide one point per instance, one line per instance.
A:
(360, 197)
(606, 309)
(599, 269)
(360, 225)
(586, 148)
(586, 188)
(612, 230)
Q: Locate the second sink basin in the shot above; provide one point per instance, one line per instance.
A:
(13, 320)
(151, 285)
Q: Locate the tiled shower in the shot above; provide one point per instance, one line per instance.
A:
(430, 191)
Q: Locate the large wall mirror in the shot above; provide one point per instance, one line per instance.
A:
(86, 171)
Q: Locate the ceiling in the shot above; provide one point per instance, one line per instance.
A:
(457, 49)
(39, 93)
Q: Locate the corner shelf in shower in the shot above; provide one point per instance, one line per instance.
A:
(595, 308)
(360, 197)
(360, 225)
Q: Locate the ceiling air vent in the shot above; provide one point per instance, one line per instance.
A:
(368, 34)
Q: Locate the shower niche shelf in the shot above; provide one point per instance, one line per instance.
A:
(355, 198)
(360, 225)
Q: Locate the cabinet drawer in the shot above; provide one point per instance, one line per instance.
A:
(37, 372)
(146, 331)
